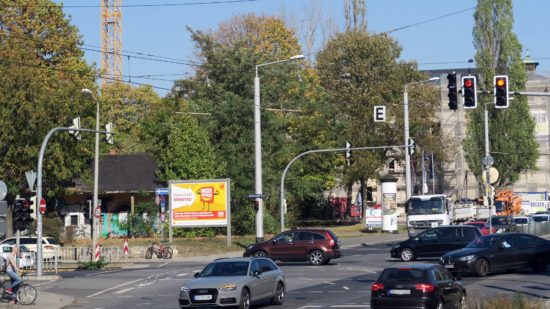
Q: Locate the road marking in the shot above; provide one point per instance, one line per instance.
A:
(179, 275)
(350, 306)
(309, 307)
(331, 283)
(345, 287)
(305, 278)
(114, 287)
(164, 264)
(124, 291)
(145, 284)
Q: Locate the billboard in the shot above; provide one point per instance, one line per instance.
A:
(195, 203)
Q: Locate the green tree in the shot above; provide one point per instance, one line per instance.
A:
(511, 131)
(42, 72)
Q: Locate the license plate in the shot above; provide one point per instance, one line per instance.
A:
(399, 292)
(203, 297)
(449, 266)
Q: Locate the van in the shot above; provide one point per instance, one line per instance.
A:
(541, 218)
(435, 242)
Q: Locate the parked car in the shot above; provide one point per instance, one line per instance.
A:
(49, 245)
(318, 246)
(541, 218)
(232, 282)
(417, 286)
(481, 226)
(503, 224)
(499, 252)
(523, 220)
(435, 242)
(26, 257)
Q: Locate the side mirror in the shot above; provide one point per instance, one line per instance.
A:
(196, 275)
(274, 241)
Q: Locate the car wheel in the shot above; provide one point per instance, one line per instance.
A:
(540, 265)
(149, 253)
(462, 302)
(481, 267)
(259, 253)
(279, 297)
(407, 255)
(245, 299)
(316, 257)
(439, 304)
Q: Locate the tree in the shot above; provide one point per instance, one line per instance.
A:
(355, 14)
(511, 131)
(42, 72)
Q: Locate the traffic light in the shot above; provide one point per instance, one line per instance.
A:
(18, 220)
(412, 146)
(501, 91)
(348, 153)
(453, 94)
(27, 213)
(469, 91)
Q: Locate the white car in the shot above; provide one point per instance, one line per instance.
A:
(50, 247)
(541, 218)
(523, 220)
(26, 257)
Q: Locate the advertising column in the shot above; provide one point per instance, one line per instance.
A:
(389, 203)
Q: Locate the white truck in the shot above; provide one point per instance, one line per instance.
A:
(427, 211)
(463, 212)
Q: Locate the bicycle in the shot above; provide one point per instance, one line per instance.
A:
(160, 251)
(25, 294)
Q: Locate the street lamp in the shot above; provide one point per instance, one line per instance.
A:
(96, 170)
(258, 148)
(407, 150)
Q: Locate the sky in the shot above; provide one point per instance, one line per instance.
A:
(436, 33)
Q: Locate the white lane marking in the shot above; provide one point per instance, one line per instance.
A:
(345, 287)
(125, 296)
(316, 291)
(331, 283)
(145, 284)
(124, 291)
(39, 284)
(179, 275)
(309, 307)
(305, 278)
(164, 264)
(350, 306)
(114, 287)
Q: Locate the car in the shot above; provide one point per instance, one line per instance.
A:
(481, 226)
(230, 282)
(50, 246)
(523, 220)
(503, 224)
(318, 246)
(417, 286)
(435, 242)
(26, 257)
(499, 252)
(541, 218)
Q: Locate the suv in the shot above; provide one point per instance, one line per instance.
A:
(49, 245)
(318, 246)
(435, 242)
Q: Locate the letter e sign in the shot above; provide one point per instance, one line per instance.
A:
(380, 113)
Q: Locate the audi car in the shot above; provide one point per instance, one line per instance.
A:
(235, 282)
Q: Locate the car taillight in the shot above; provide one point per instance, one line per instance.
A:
(327, 236)
(425, 287)
(377, 287)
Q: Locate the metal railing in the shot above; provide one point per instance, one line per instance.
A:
(537, 228)
(83, 254)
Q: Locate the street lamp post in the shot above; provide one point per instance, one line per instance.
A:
(96, 172)
(406, 124)
(258, 148)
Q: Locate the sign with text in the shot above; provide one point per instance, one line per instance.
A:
(199, 202)
(380, 113)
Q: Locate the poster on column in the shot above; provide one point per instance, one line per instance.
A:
(199, 202)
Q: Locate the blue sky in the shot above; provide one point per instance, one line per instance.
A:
(438, 44)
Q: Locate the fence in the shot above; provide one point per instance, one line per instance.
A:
(82, 254)
(538, 228)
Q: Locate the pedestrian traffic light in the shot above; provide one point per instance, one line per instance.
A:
(18, 220)
(453, 94)
(469, 91)
(27, 214)
(501, 91)
(348, 153)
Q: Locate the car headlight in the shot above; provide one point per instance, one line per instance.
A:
(184, 289)
(249, 247)
(228, 287)
(467, 258)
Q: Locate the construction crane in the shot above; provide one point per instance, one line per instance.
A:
(111, 41)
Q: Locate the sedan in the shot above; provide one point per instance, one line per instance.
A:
(499, 252)
(233, 282)
(417, 286)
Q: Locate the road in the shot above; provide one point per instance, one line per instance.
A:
(345, 283)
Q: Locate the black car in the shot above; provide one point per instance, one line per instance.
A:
(499, 252)
(417, 286)
(435, 242)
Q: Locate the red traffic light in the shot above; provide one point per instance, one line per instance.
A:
(468, 82)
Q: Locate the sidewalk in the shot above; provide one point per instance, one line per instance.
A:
(44, 300)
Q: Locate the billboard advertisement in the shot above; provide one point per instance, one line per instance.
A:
(195, 203)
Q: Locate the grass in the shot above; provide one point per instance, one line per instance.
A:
(515, 301)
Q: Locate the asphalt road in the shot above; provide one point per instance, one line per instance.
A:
(345, 283)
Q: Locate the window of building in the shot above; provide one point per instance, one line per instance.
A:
(74, 219)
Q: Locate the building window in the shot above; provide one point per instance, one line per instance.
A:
(391, 166)
(74, 220)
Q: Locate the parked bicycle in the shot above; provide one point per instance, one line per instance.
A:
(159, 250)
(25, 294)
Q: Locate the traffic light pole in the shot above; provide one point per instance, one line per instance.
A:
(40, 260)
(282, 194)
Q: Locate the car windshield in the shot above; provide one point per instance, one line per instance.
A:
(52, 241)
(540, 218)
(482, 242)
(435, 205)
(220, 269)
(402, 274)
(520, 220)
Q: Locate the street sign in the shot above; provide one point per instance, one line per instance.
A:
(380, 113)
(488, 161)
(42, 207)
(256, 196)
(31, 179)
(97, 212)
(161, 191)
(3, 190)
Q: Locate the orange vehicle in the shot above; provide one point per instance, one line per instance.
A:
(507, 203)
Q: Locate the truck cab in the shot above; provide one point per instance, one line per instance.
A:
(427, 211)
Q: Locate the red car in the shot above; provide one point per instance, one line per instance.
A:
(482, 226)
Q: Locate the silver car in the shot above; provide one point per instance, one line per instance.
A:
(235, 282)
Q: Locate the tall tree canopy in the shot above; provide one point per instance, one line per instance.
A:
(512, 130)
(42, 72)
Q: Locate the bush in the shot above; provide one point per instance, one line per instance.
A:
(92, 265)
(243, 222)
(52, 226)
(517, 301)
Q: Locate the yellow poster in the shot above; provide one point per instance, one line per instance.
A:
(199, 203)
